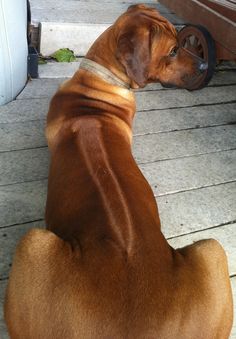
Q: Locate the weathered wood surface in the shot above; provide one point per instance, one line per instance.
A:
(181, 98)
(165, 177)
(23, 110)
(25, 165)
(3, 331)
(184, 174)
(39, 88)
(153, 147)
(53, 70)
(71, 17)
(22, 135)
(176, 119)
(197, 13)
(194, 210)
(80, 12)
(22, 202)
(181, 213)
(30, 134)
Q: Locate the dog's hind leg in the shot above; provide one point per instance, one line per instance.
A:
(28, 291)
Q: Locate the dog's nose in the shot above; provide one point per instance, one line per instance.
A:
(202, 66)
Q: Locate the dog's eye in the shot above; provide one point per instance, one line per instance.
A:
(173, 52)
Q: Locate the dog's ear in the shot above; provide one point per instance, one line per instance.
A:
(137, 7)
(133, 51)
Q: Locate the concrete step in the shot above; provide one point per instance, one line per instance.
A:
(76, 24)
(77, 37)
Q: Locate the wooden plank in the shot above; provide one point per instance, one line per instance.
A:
(220, 77)
(40, 88)
(54, 70)
(231, 4)
(24, 110)
(173, 176)
(3, 330)
(24, 165)
(225, 8)
(168, 120)
(21, 203)
(196, 210)
(22, 135)
(32, 164)
(223, 53)
(150, 148)
(9, 237)
(181, 213)
(182, 98)
(212, 20)
(30, 134)
(34, 109)
(35, 3)
(85, 16)
(81, 8)
(226, 65)
(226, 235)
(165, 177)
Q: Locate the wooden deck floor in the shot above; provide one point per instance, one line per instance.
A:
(185, 144)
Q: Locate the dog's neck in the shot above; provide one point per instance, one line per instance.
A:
(108, 42)
(102, 72)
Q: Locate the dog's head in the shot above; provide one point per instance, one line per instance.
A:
(147, 47)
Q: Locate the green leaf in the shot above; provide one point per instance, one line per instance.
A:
(64, 55)
(41, 61)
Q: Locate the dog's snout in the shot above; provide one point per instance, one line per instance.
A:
(202, 66)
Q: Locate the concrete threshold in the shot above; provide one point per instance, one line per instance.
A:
(75, 36)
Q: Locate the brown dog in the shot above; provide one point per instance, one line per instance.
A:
(103, 269)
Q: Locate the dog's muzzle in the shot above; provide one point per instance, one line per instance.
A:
(202, 65)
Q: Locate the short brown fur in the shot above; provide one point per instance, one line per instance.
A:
(103, 269)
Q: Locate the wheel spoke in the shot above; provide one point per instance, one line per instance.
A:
(199, 42)
(195, 41)
(200, 50)
(188, 41)
(185, 44)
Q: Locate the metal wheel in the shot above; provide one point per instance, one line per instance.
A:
(199, 41)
